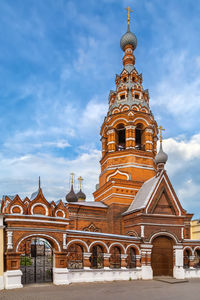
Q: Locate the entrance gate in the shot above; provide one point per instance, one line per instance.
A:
(36, 262)
(162, 256)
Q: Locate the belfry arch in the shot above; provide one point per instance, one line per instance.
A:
(120, 137)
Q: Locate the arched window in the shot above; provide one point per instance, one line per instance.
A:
(139, 142)
(186, 258)
(121, 137)
(131, 259)
(197, 259)
(75, 257)
(97, 257)
(115, 258)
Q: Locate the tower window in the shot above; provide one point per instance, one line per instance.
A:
(133, 78)
(121, 137)
(125, 79)
(139, 137)
(136, 96)
(122, 97)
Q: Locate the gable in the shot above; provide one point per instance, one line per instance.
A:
(163, 199)
(163, 204)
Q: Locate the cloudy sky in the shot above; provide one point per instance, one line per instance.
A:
(58, 62)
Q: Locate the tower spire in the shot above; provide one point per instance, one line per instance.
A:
(39, 183)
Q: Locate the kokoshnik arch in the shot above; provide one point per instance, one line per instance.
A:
(135, 227)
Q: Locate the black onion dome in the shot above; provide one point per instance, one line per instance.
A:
(128, 38)
(81, 195)
(71, 196)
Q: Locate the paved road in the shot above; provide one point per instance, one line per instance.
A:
(125, 290)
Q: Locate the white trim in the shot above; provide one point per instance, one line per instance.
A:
(38, 221)
(79, 241)
(113, 142)
(139, 118)
(149, 142)
(132, 164)
(157, 186)
(39, 204)
(99, 242)
(188, 247)
(130, 139)
(118, 172)
(117, 187)
(39, 216)
(21, 209)
(161, 233)
(121, 195)
(133, 245)
(61, 211)
(118, 120)
(38, 235)
(128, 166)
(133, 155)
(119, 244)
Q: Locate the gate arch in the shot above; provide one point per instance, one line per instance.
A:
(162, 256)
(36, 261)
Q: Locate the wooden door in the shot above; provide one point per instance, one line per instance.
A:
(162, 256)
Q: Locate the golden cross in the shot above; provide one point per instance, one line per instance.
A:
(80, 180)
(72, 180)
(161, 130)
(129, 10)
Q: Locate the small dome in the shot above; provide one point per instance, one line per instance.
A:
(71, 196)
(128, 38)
(81, 195)
(161, 157)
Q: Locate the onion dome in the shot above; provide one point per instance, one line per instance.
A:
(81, 196)
(128, 38)
(71, 196)
(161, 157)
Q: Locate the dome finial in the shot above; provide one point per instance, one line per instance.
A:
(80, 179)
(161, 130)
(72, 178)
(128, 38)
(129, 10)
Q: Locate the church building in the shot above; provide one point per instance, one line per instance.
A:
(136, 227)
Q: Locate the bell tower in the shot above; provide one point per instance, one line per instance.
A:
(128, 133)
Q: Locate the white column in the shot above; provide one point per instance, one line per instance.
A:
(9, 240)
(178, 271)
(64, 241)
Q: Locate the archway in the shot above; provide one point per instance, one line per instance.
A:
(36, 261)
(162, 256)
(97, 257)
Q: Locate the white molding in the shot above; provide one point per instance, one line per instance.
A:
(163, 233)
(139, 118)
(134, 246)
(40, 204)
(61, 211)
(117, 244)
(126, 120)
(118, 172)
(121, 166)
(21, 209)
(9, 240)
(99, 243)
(117, 187)
(133, 155)
(78, 241)
(39, 235)
(38, 221)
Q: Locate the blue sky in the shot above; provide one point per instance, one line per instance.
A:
(58, 62)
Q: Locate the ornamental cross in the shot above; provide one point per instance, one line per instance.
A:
(80, 180)
(161, 130)
(129, 10)
(72, 179)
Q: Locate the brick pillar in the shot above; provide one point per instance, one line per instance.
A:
(123, 261)
(12, 261)
(106, 257)
(143, 257)
(104, 146)
(111, 141)
(148, 257)
(138, 263)
(130, 137)
(60, 259)
(86, 257)
(191, 261)
(148, 139)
